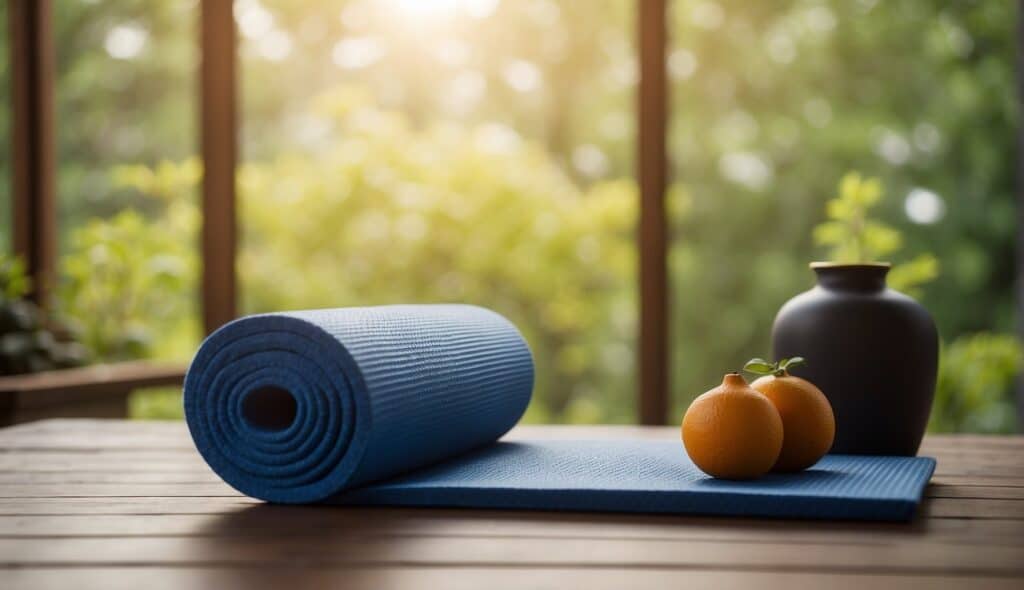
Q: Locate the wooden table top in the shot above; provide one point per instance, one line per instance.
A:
(112, 504)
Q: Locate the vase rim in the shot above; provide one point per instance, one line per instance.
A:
(864, 265)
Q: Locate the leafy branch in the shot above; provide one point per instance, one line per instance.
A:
(852, 236)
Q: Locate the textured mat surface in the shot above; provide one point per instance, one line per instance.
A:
(400, 405)
(373, 391)
(655, 477)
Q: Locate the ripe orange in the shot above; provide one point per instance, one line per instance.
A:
(732, 431)
(807, 418)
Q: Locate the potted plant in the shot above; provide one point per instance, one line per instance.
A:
(872, 350)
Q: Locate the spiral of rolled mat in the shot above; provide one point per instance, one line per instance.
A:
(298, 407)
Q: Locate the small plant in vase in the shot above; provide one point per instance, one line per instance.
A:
(852, 237)
(871, 349)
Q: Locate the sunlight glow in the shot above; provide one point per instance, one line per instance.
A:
(125, 41)
(441, 9)
(924, 207)
(426, 8)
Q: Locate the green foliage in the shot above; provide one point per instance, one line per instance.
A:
(975, 386)
(850, 234)
(160, 403)
(771, 103)
(910, 276)
(130, 282)
(774, 101)
(759, 366)
(388, 213)
(383, 220)
(854, 237)
(14, 281)
(29, 340)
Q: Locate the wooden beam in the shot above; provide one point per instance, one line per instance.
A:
(97, 390)
(33, 199)
(652, 170)
(1020, 205)
(219, 132)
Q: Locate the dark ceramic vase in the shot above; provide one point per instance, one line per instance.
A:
(873, 351)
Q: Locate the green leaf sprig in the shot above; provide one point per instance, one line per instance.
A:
(779, 368)
(853, 236)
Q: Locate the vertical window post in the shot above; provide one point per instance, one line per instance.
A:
(33, 196)
(652, 170)
(219, 137)
(1020, 201)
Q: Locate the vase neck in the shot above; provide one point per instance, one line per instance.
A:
(851, 277)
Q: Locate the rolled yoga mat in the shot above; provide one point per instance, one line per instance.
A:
(402, 405)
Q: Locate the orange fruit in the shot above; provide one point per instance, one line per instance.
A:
(807, 419)
(732, 431)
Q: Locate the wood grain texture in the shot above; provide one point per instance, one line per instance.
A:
(476, 578)
(652, 242)
(64, 383)
(99, 391)
(33, 153)
(218, 107)
(108, 504)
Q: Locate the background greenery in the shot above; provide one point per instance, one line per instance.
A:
(481, 151)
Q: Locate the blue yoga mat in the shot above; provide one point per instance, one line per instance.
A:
(652, 476)
(402, 405)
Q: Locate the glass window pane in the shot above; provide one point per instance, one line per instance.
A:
(128, 175)
(451, 150)
(775, 102)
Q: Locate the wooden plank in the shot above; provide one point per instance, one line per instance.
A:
(953, 479)
(122, 506)
(988, 471)
(145, 463)
(972, 508)
(95, 379)
(118, 490)
(264, 520)
(34, 208)
(989, 492)
(979, 508)
(453, 577)
(103, 406)
(944, 487)
(96, 391)
(652, 172)
(184, 486)
(219, 147)
(109, 494)
(90, 477)
(29, 458)
(353, 549)
(126, 432)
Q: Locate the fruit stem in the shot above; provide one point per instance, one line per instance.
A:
(777, 369)
(734, 379)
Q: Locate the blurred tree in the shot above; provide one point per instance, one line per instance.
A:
(772, 103)
(389, 214)
(976, 377)
(125, 92)
(30, 340)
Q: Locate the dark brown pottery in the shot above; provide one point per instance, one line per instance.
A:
(873, 351)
